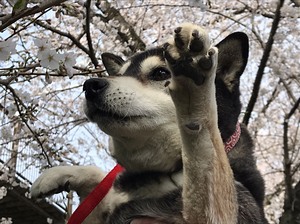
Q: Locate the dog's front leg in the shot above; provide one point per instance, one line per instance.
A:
(209, 194)
(82, 179)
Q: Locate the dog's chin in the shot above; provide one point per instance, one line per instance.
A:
(113, 123)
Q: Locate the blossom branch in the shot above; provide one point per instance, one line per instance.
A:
(10, 19)
(263, 63)
(19, 102)
(112, 13)
(65, 34)
(287, 163)
(99, 72)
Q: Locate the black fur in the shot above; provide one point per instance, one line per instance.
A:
(249, 182)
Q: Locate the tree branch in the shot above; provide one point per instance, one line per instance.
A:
(88, 33)
(287, 164)
(64, 34)
(98, 72)
(24, 120)
(263, 63)
(10, 19)
(112, 13)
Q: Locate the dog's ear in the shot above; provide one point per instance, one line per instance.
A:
(112, 63)
(233, 57)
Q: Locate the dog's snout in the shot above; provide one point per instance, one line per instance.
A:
(93, 87)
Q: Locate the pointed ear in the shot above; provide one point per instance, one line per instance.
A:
(233, 57)
(112, 63)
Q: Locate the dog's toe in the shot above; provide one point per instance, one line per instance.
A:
(209, 60)
(197, 43)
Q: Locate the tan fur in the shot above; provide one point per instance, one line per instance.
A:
(209, 195)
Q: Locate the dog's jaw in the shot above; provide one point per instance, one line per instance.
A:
(140, 121)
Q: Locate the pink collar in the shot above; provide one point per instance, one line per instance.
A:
(96, 196)
(234, 138)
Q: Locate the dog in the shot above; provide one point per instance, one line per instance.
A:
(168, 112)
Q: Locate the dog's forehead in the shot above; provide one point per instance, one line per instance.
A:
(144, 62)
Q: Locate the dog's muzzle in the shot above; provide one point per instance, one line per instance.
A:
(94, 87)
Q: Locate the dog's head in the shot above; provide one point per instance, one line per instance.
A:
(133, 106)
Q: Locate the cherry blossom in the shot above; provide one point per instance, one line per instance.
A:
(50, 58)
(6, 220)
(69, 60)
(7, 48)
(41, 44)
(58, 103)
(3, 192)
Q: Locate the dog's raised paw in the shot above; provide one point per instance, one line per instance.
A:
(190, 54)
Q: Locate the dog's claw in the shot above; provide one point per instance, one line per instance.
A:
(178, 38)
(178, 30)
(195, 34)
(165, 46)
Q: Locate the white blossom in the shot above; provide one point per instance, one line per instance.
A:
(70, 71)
(26, 97)
(69, 60)
(7, 48)
(6, 220)
(49, 58)
(6, 132)
(42, 44)
(3, 192)
(11, 109)
(27, 195)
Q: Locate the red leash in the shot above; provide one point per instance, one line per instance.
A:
(95, 197)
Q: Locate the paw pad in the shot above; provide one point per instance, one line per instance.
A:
(189, 54)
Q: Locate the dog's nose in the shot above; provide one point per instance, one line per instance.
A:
(93, 87)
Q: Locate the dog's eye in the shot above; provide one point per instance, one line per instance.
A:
(160, 74)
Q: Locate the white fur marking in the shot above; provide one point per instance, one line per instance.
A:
(149, 63)
(124, 67)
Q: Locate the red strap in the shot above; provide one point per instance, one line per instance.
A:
(95, 197)
(234, 138)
